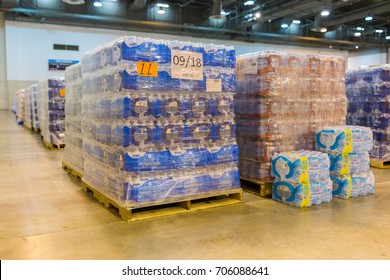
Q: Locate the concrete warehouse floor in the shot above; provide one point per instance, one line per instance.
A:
(46, 215)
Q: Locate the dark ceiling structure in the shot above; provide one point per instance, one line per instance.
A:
(338, 24)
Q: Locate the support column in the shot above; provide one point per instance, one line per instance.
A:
(4, 100)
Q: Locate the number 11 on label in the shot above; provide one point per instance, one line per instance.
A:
(149, 69)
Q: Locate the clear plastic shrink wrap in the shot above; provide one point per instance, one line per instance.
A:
(51, 105)
(368, 92)
(73, 152)
(158, 121)
(282, 100)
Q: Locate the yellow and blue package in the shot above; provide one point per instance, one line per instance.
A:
(301, 166)
(344, 139)
(349, 163)
(302, 194)
(347, 186)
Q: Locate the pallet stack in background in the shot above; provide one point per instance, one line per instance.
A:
(368, 92)
(34, 100)
(73, 152)
(28, 114)
(158, 122)
(51, 105)
(282, 100)
(20, 106)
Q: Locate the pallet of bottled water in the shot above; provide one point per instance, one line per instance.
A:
(158, 121)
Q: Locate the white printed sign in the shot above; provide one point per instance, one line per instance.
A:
(187, 65)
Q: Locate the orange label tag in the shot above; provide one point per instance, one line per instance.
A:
(62, 92)
(149, 69)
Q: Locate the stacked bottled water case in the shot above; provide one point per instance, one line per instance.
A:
(301, 178)
(51, 104)
(347, 148)
(158, 120)
(368, 92)
(73, 152)
(282, 100)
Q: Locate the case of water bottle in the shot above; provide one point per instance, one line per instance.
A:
(348, 149)
(158, 120)
(354, 185)
(282, 100)
(301, 178)
(368, 91)
(51, 105)
(302, 194)
(73, 152)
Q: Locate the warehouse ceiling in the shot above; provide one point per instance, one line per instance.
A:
(350, 24)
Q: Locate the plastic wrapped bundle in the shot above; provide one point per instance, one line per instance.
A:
(28, 110)
(302, 194)
(34, 100)
(51, 103)
(353, 185)
(368, 91)
(301, 166)
(344, 139)
(157, 121)
(20, 95)
(349, 163)
(282, 100)
(73, 152)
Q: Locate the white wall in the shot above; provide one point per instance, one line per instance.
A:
(30, 45)
(372, 57)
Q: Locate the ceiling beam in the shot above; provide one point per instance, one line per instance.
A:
(189, 30)
(359, 14)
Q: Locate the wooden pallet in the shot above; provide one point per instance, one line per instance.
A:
(71, 170)
(377, 163)
(263, 189)
(53, 146)
(207, 201)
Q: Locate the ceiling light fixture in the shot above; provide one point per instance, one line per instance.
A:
(356, 47)
(257, 15)
(161, 11)
(325, 13)
(296, 21)
(162, 5)
(225, 13)
(380, 31)
(387, 37)
(74, 2)
(360, 28)
(249, 3)
(97, 3)
(368, 18)
(318, 25)
(357, 34)
(284, 25)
